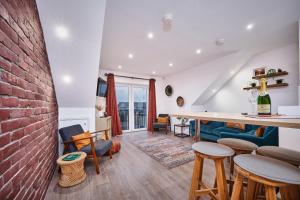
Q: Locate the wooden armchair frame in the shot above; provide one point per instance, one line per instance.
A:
(93, 154)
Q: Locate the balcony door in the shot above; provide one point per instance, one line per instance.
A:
(132, 105)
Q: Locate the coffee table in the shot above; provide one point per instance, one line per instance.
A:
(72, 172)
(182, 126)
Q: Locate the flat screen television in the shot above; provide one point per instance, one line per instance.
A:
(101, 88)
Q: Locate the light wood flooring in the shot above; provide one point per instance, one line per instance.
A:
(132, 174)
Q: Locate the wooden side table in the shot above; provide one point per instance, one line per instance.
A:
(181, 134)
(72, 172)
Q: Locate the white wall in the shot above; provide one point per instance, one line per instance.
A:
(190, 84)
(231, 98)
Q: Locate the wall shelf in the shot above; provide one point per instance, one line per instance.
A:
(270, 75)
(268, 86)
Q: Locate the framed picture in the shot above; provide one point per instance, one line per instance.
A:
(259, 71)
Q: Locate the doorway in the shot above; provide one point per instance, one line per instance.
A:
(132, 104)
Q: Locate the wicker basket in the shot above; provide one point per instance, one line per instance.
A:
(72, 172)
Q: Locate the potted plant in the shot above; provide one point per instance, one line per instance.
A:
(182, 120)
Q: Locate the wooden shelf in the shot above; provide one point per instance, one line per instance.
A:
(268, 86)
(270, 75)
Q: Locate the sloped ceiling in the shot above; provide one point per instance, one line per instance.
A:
(78, 55)
(196, 24)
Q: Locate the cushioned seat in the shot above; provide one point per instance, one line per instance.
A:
(212, 149)
(101, 147)
(280, 153)
(160, 125)
(238, 144)
(269, 168)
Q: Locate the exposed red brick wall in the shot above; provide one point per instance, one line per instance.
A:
(28, 106)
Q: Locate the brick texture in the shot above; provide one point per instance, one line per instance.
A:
(28, 106)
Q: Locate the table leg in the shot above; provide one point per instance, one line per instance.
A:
(197, 129)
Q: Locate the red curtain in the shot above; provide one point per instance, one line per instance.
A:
(151, 104)
(112, 107)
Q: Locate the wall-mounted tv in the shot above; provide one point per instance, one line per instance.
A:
(101, 88)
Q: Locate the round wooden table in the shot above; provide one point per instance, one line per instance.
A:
(72, 172)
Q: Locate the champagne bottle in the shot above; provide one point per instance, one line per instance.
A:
(263, 99)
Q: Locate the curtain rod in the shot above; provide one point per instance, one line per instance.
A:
(129, 77)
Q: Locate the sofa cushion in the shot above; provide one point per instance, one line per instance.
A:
(206, 128)
(236, 125)
(101, 146)
(217, 131)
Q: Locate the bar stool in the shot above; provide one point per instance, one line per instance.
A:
(270, 172)
(240, 147)
(217, 153)
(287, 155)
(283, 154)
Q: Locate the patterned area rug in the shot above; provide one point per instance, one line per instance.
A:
(169, 153)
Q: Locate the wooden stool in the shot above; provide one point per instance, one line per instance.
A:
(283, 154)
(287, 155)
(270, 172)
(72, 172)
(240, 147)
(218, 153)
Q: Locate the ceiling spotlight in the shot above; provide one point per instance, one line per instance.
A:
(120, 66)
(171, 64)
(214, 90)
(130, 55)
(232, 72)
(150, 35)
(249, 27)
(198, 51)
(67, 79)
(154, 72)
(61, 32)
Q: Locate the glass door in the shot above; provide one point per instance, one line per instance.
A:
(140, 107)
(122, 93)
(132, 105)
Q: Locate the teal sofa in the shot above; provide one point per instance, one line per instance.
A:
(216, 130)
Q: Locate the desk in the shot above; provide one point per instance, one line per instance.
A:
(238, 118)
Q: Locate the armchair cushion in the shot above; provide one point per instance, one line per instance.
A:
(159, 125)
(101, 147)
(66, 134)
(162, 119)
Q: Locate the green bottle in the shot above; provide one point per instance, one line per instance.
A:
(263, 99)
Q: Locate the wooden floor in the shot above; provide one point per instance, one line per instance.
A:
(132, 174)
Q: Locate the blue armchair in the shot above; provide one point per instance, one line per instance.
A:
(93, 150)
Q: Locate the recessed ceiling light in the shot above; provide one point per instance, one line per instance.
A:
(120, 66)
(171, 64)
(154, 72)
(232, 72)
(214, 90)
(61, 32)
(249, 27)
(198, 51)
(67, 79)
(130, 55)
(150, 35)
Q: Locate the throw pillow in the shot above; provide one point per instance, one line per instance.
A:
(204, 122)
(260, 131)
(162, 119)
(235, 125)
(82, 143)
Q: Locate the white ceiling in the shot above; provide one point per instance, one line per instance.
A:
(196, 24)
(77, 56)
